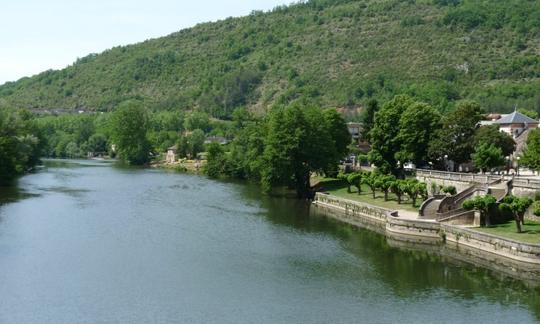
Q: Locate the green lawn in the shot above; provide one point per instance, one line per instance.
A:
(530, 234)
(339, 188)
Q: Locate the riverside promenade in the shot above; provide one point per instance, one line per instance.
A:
(516, 259)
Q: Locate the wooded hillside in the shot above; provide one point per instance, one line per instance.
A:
(339, 53)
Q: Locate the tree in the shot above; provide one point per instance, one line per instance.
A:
(455, 138)
(484, 205)
(412, 188)
(97, 143)
(487, 156)
(368, 118)
(197, 120)
(492, 135)
(215, 160)
(129, 128)
(355, 179)
(385, 182)
(417, 127)
(517, 206)
(370, 180)
(196, 142)
(398, 187)
(19, 146)
(531, 154)
(300, 140)
(385, 142)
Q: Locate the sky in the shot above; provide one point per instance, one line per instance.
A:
(37, 35)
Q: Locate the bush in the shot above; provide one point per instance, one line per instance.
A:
(537, 196)
(536, 210)
(449, 190)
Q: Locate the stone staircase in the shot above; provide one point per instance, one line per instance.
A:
(449, 209)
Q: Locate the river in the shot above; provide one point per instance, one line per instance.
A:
(88, 242)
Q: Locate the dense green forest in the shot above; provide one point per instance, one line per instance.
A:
(339, 53)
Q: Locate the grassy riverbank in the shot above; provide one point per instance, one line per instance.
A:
(530, 234)
(339, 188)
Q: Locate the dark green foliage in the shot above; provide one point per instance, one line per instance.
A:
(484, 205)
(487, 156)
(340, 53)
(451, 190)
(531, 155)
(216, 160)
(454, 139)
(401, 133)
(129, 129)
(300, 140)
(517, 206)
(491, 135)
(19, 145)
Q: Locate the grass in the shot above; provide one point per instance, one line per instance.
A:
(339, 188)
(530, 231)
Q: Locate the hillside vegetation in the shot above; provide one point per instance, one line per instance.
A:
(338, 53)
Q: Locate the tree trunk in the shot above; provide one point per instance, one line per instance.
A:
(398, 198)
(359, 190)
(518, 223)
(373, 192)
(386, 195)
(414, 201)
(487, 219)
(303, 187)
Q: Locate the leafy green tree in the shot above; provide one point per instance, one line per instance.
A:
(130, 125)
(399, 187)
(413, 189)
(487, 156)
(72, 150)
(385, 143)
(215, 160)
(355, 179)
(517, 206)
(385, 183)
(196, 142)
(417, 127)
(491, 135)
(299, 141)
(371, 180)
(368, 118)
(484, 204)
(531, 154)
(19, 146)
(97, 143)
(197, 120)
(455, 138)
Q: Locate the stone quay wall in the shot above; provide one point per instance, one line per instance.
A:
(485, 248)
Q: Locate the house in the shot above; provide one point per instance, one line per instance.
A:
(171, 154)
(514, 124)
(216, 139)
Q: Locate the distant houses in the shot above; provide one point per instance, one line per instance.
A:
(514, 124)
(170, 157)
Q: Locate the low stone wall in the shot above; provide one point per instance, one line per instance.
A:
(354, 213)
(484, 249)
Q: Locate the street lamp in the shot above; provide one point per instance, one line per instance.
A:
(446, 162)
(508, 164)
(517, 165)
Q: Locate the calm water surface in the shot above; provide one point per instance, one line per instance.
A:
(85, 242)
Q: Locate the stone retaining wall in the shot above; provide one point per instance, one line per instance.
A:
(488, 250)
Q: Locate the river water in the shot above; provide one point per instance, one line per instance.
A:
(87, 242)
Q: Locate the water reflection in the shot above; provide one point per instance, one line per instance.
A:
(410, 270)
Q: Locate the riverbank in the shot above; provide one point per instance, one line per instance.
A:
(516, 259)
